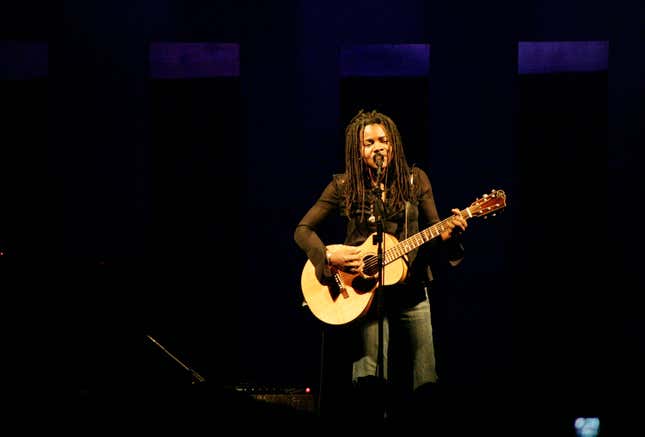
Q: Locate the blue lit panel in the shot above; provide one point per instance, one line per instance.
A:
(383, 60)
(23, 60)
(562, 56)
(170, 60)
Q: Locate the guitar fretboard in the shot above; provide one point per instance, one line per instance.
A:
(421, 237)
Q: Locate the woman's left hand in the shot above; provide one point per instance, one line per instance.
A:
(456, 225)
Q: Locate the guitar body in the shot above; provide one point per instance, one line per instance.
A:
(353, 293)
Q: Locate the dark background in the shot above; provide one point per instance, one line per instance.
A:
(167, 207)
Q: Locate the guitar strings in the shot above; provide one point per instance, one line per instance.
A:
(440, 226)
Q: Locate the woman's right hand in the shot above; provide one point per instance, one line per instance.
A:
(345, 258)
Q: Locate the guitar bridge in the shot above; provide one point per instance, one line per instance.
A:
(340, 286)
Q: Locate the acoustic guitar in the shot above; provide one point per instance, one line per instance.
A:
(350, 295)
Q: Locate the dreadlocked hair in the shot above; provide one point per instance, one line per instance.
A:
(397, 174)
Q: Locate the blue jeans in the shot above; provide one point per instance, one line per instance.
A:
(408, 348)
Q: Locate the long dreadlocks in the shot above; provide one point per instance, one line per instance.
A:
(397, 174)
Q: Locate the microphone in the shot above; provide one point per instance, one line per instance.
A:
(378, 158)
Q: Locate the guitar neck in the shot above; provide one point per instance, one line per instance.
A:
(421, 237)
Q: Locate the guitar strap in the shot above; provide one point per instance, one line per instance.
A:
(408, 205)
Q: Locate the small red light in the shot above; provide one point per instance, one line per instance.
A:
(307, 390)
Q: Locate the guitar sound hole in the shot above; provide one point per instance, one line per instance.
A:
(370, 265)
(362, 284)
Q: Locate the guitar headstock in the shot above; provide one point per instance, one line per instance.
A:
(487, 204)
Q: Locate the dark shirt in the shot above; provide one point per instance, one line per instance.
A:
(401, 222)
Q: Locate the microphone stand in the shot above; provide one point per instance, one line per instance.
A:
(379, 210)
(196, 376)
